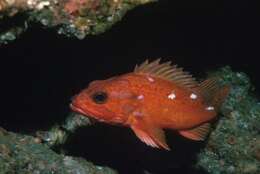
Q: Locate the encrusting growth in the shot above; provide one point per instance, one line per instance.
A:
(74, 18)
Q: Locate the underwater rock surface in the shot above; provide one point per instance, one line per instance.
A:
(75, 18)
(25, 154)
(234, 144)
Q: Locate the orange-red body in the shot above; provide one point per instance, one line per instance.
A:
(147, 104)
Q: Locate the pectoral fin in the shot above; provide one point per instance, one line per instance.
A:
(150, 134)
(198, 133)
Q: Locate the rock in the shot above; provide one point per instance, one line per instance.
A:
(22, 154)
(233, 145)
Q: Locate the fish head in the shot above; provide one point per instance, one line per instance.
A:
(105, 100)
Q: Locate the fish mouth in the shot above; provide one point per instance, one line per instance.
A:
(85, 113)
(76, 109)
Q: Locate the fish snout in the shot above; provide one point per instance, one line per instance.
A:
(77, 103)
(77, 109)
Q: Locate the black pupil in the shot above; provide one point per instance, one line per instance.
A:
(99, 97)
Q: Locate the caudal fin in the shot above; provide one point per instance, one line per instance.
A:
(213, 93)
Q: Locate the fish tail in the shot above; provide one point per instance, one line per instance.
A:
(220, 97)
(213, 93)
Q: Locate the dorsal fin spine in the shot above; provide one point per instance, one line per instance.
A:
(163, 70)
(142, 65)
(168, 72)
(156, 68)
(149, 66)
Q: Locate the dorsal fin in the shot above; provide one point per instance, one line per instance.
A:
(212, 92)
(167, 71)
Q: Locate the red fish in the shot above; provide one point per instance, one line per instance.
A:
(154, 97)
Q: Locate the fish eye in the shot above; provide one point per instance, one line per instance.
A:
(99, 97)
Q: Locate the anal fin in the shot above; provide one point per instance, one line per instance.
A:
(198, 133)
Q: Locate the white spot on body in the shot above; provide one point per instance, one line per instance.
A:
(193, 96)
(150, 79)
(210, 108)
(171, 96)
(117, 119)
(140, 97)
(137, 114)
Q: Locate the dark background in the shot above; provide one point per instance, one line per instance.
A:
(41, 71)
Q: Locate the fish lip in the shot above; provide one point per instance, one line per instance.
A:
(76, 109)
(80, 111)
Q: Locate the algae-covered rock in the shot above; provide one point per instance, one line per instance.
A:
(74, 18)
(25, 154)
(234, 145)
